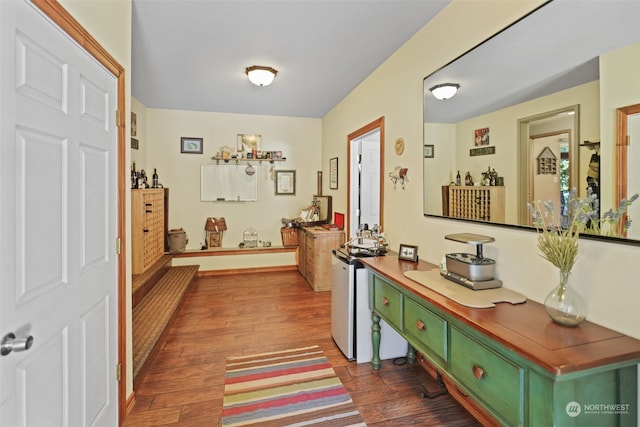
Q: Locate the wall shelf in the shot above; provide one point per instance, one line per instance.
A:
(189, 253)
(238, 160)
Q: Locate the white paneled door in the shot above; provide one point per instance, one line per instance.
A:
(58, 214)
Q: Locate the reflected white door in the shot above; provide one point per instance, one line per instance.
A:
(547, 183)
(370, 180)
(365, 181)
(58, 270)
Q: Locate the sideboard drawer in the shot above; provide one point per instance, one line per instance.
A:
(493, 379)
(426, 327)
(388, 302)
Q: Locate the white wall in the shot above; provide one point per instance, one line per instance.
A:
(604, 272)
(618, 69)
(297, 138)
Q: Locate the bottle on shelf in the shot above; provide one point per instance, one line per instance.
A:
(134, 176)
(458, 179)
(154, 182)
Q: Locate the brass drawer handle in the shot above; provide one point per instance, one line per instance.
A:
(420, 325)
(478, 372)
(385, 301)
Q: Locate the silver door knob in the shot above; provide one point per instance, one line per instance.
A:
(11, 343)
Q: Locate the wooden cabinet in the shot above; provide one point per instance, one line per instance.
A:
(147, 228)
(509, 365)
(480, 203)
(314, 258)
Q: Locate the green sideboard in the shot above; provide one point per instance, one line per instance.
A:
(509, 365)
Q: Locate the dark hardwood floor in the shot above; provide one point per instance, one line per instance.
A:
(251, 313)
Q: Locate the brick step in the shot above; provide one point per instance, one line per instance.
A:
(153, 313)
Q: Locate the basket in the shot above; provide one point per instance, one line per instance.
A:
(289, 236)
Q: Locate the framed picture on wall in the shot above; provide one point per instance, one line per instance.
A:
(134, 124)
(285, 182)
(428, 152)
(248, 142)
(191, 145)
(481, 137)
(333, 173)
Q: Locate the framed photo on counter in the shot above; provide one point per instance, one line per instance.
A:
(408, 252)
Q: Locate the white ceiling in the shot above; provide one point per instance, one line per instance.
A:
(192, 54)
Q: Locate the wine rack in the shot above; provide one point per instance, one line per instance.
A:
(480, 203)
(147, 228)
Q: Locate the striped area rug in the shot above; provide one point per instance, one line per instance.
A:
(295, 387)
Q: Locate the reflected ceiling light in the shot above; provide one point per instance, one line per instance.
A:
(444, 90)
(261, 76)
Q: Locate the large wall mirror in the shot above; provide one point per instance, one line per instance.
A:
(543, 107)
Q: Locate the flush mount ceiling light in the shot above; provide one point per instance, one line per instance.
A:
(261, 76)
(444, 90)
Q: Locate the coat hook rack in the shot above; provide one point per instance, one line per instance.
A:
(592, 145)
(399, 174)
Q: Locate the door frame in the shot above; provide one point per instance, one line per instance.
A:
(379, 125)
(621, 159)
(70, 26)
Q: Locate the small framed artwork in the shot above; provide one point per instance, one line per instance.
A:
(481, 137)
(191, 145)
(333, 173)
(408, 252)
(285, 182)
(135, 144)
(134, 124)
(248, 142)
(428, 151)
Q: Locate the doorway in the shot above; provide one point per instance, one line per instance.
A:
(550, 166)
(561, 126)
(365, 162)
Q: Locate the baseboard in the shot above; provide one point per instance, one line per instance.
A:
(276, 268)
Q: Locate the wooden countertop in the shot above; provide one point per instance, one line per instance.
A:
(525, 328)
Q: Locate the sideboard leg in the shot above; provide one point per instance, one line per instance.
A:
(411, 354)
(375, 341)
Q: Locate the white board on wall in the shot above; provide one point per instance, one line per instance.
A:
(227, 183)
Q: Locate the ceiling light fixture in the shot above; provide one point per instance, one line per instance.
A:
(261, 76)
(444, 90)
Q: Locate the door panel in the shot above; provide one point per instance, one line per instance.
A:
(58, 277)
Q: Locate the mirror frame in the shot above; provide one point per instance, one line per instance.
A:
(617, 240)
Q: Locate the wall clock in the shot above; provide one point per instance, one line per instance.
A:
(399, 146)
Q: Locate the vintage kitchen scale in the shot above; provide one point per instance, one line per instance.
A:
(473, 271)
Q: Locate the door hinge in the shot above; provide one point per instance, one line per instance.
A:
(118, 245)
(120, 119)
(119, 372)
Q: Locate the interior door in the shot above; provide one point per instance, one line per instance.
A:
(370, 180)
(364, 181)
(58, 276)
